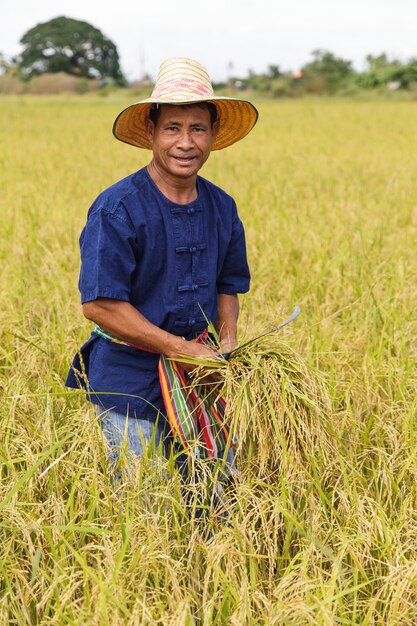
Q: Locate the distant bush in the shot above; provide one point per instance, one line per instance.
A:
(283, 87)
(316, 85)
(10, 84)
(412, 86)
(60, 83)
(46, 84)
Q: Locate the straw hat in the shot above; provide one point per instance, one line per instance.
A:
(184, 81)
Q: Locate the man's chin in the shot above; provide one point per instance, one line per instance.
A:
(184, 170)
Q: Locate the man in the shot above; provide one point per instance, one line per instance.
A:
(162, 252)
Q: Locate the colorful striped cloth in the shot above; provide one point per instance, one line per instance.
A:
(196, 415)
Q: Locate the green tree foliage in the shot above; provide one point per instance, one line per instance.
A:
(327, 70)
(263, 82)
(408, 75)
(273, 71)
(379, 71)
(72, 46)
(383, 71)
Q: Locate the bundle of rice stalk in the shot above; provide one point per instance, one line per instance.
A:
(278, 410)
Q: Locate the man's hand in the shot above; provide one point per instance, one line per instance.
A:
(199, 351)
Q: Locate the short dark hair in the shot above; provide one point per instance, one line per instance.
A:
(155, 110)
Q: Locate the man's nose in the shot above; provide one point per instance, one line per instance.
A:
(185, 139)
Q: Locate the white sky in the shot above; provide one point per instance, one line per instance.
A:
(242, 34)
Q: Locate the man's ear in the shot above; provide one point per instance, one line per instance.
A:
(215, 128)
(150, 128)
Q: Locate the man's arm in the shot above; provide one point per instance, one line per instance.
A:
(122, 320)
(226, 323)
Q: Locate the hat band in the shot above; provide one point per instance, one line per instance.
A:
(182, 87)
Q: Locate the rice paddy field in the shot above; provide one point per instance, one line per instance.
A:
(322, 519)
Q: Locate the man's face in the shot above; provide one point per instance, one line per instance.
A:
(181, 140)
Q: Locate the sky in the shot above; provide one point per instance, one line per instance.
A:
(229, 37)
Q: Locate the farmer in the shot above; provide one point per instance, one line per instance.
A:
(162, 252)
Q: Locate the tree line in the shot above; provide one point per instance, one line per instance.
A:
(76, 48)
(328, 74)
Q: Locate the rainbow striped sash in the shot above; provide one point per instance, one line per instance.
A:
(196, 415)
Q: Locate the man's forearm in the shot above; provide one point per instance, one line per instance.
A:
(122, 320)
(226, 323)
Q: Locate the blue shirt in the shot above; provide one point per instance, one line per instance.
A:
(170, 261)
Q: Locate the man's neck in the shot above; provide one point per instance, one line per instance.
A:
(181, 191)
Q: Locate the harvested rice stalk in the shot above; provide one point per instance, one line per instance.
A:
(278, 409)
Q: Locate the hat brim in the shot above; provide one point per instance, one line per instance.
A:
(237, 118)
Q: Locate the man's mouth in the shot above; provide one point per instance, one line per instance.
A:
(185, 160)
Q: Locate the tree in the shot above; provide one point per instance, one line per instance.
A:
(333, 71)
(67, 45)
(383, 71)
(380, 71)
(273, 71)
(408, 75)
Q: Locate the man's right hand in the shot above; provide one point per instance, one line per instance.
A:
(196, 351)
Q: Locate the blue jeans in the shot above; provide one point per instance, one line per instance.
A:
(139, 434)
